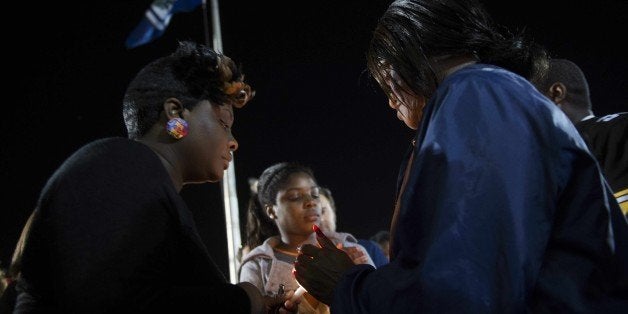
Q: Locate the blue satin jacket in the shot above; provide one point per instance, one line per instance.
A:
(505, 211)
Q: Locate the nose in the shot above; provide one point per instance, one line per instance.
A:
(233, 143)
(393, 103)
(311, 201)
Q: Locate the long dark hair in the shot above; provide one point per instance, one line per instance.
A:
(411, 32)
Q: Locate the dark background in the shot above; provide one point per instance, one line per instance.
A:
(66, 69)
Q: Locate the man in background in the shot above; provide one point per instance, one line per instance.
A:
(606, 136)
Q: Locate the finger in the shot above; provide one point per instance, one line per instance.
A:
(323, 240)
(361, 260)
(354, 255)
(298, 273)
(309, 250)
(288, 294)
(303, 261)
(289, 302)
(288, 308)
(339, 245)
(353, 252)
(358, 254)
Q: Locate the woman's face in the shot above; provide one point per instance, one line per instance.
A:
(298, 206)
(209, 143)
(409, 106)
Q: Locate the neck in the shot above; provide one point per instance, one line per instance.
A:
(288, 248)
(165, 154)
(291, 243)
(575, 114)
(446, 65)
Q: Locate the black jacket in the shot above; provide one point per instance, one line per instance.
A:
(111, 234)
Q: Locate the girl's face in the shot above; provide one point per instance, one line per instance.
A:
(409, 106)
(298, 206)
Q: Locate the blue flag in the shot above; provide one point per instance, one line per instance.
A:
(156, 20)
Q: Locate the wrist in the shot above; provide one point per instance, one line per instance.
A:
(255, 297)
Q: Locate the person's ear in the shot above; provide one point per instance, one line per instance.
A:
(176, 126)
(557, 92)
(270, 211)
(173, 108)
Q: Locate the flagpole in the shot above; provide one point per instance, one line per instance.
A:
(216, 27)
(205, 23)
(229, 195)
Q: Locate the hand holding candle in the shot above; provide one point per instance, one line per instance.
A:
(298, 294)
(318, 269)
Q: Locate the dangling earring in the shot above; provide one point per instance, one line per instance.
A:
(177, 128)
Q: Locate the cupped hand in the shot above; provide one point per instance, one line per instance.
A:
(281, 303)
(357, 256)
(318, 269)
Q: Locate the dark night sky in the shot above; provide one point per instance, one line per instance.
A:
(67, 75)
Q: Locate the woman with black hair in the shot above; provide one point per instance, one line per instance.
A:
(500, 207)
(110, 233)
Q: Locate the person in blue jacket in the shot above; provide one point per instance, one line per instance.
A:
(501, 208)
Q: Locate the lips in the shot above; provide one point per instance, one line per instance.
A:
(312, 217)
(226, 160)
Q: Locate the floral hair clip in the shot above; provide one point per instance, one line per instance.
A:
(239, 91)
(232, 87)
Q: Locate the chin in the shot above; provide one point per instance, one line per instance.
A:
(412, 125)
(414, 122)
(216, 177)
